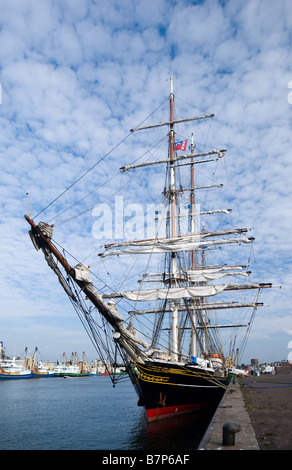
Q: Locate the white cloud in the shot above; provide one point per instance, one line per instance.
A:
(77, 75)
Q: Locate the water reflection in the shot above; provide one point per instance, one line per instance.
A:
(174, 434)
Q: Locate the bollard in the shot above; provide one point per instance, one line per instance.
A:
(229, 430)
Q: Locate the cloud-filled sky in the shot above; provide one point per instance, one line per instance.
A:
(76, 76)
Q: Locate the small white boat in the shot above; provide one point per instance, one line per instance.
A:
(239, 372)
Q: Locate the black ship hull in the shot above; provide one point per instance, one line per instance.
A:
(167, 389)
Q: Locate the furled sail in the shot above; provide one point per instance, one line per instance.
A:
(198, 275)
(181, 238)
(210, 275)
(173, 293)
(201, 306)
(174, 246)
(181, 292)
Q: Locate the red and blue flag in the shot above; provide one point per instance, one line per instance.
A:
(182, 145)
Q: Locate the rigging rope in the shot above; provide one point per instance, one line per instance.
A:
(84, 174)
(77, 202)
(100, 160)
(90, 208)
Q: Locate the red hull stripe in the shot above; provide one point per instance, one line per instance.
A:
(167, 411)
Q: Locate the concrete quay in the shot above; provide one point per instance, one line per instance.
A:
(230, 410)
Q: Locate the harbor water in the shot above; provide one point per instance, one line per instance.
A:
(87, 413)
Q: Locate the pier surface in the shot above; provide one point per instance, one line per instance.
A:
(262, 406)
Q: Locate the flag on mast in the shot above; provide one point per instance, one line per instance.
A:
(182, 145)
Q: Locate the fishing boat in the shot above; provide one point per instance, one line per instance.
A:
(70, 369)
(37, 368)
(93, 369)
(73, 371)
(13, 370)
(42, 371)
(60, 370)
(94, 373)
(169, 336)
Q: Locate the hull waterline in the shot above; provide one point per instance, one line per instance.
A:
(169, 390)
(15, 376)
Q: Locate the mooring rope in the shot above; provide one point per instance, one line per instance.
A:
(281, 385)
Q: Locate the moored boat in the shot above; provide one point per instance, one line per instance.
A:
(74, 371)
(42, 371)
(13, 370)
(172, 347)
(38, 368)
(69, 370)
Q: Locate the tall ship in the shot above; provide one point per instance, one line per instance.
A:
(174, 325)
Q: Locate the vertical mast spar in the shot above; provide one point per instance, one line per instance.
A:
(203, 301)
(192, 210)
(172, 174)
(173, 232)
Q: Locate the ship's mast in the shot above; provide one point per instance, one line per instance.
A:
(192, 200)
(174, 307)
(192, 209)
(172, 173)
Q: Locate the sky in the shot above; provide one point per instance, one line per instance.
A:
(76, 76)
